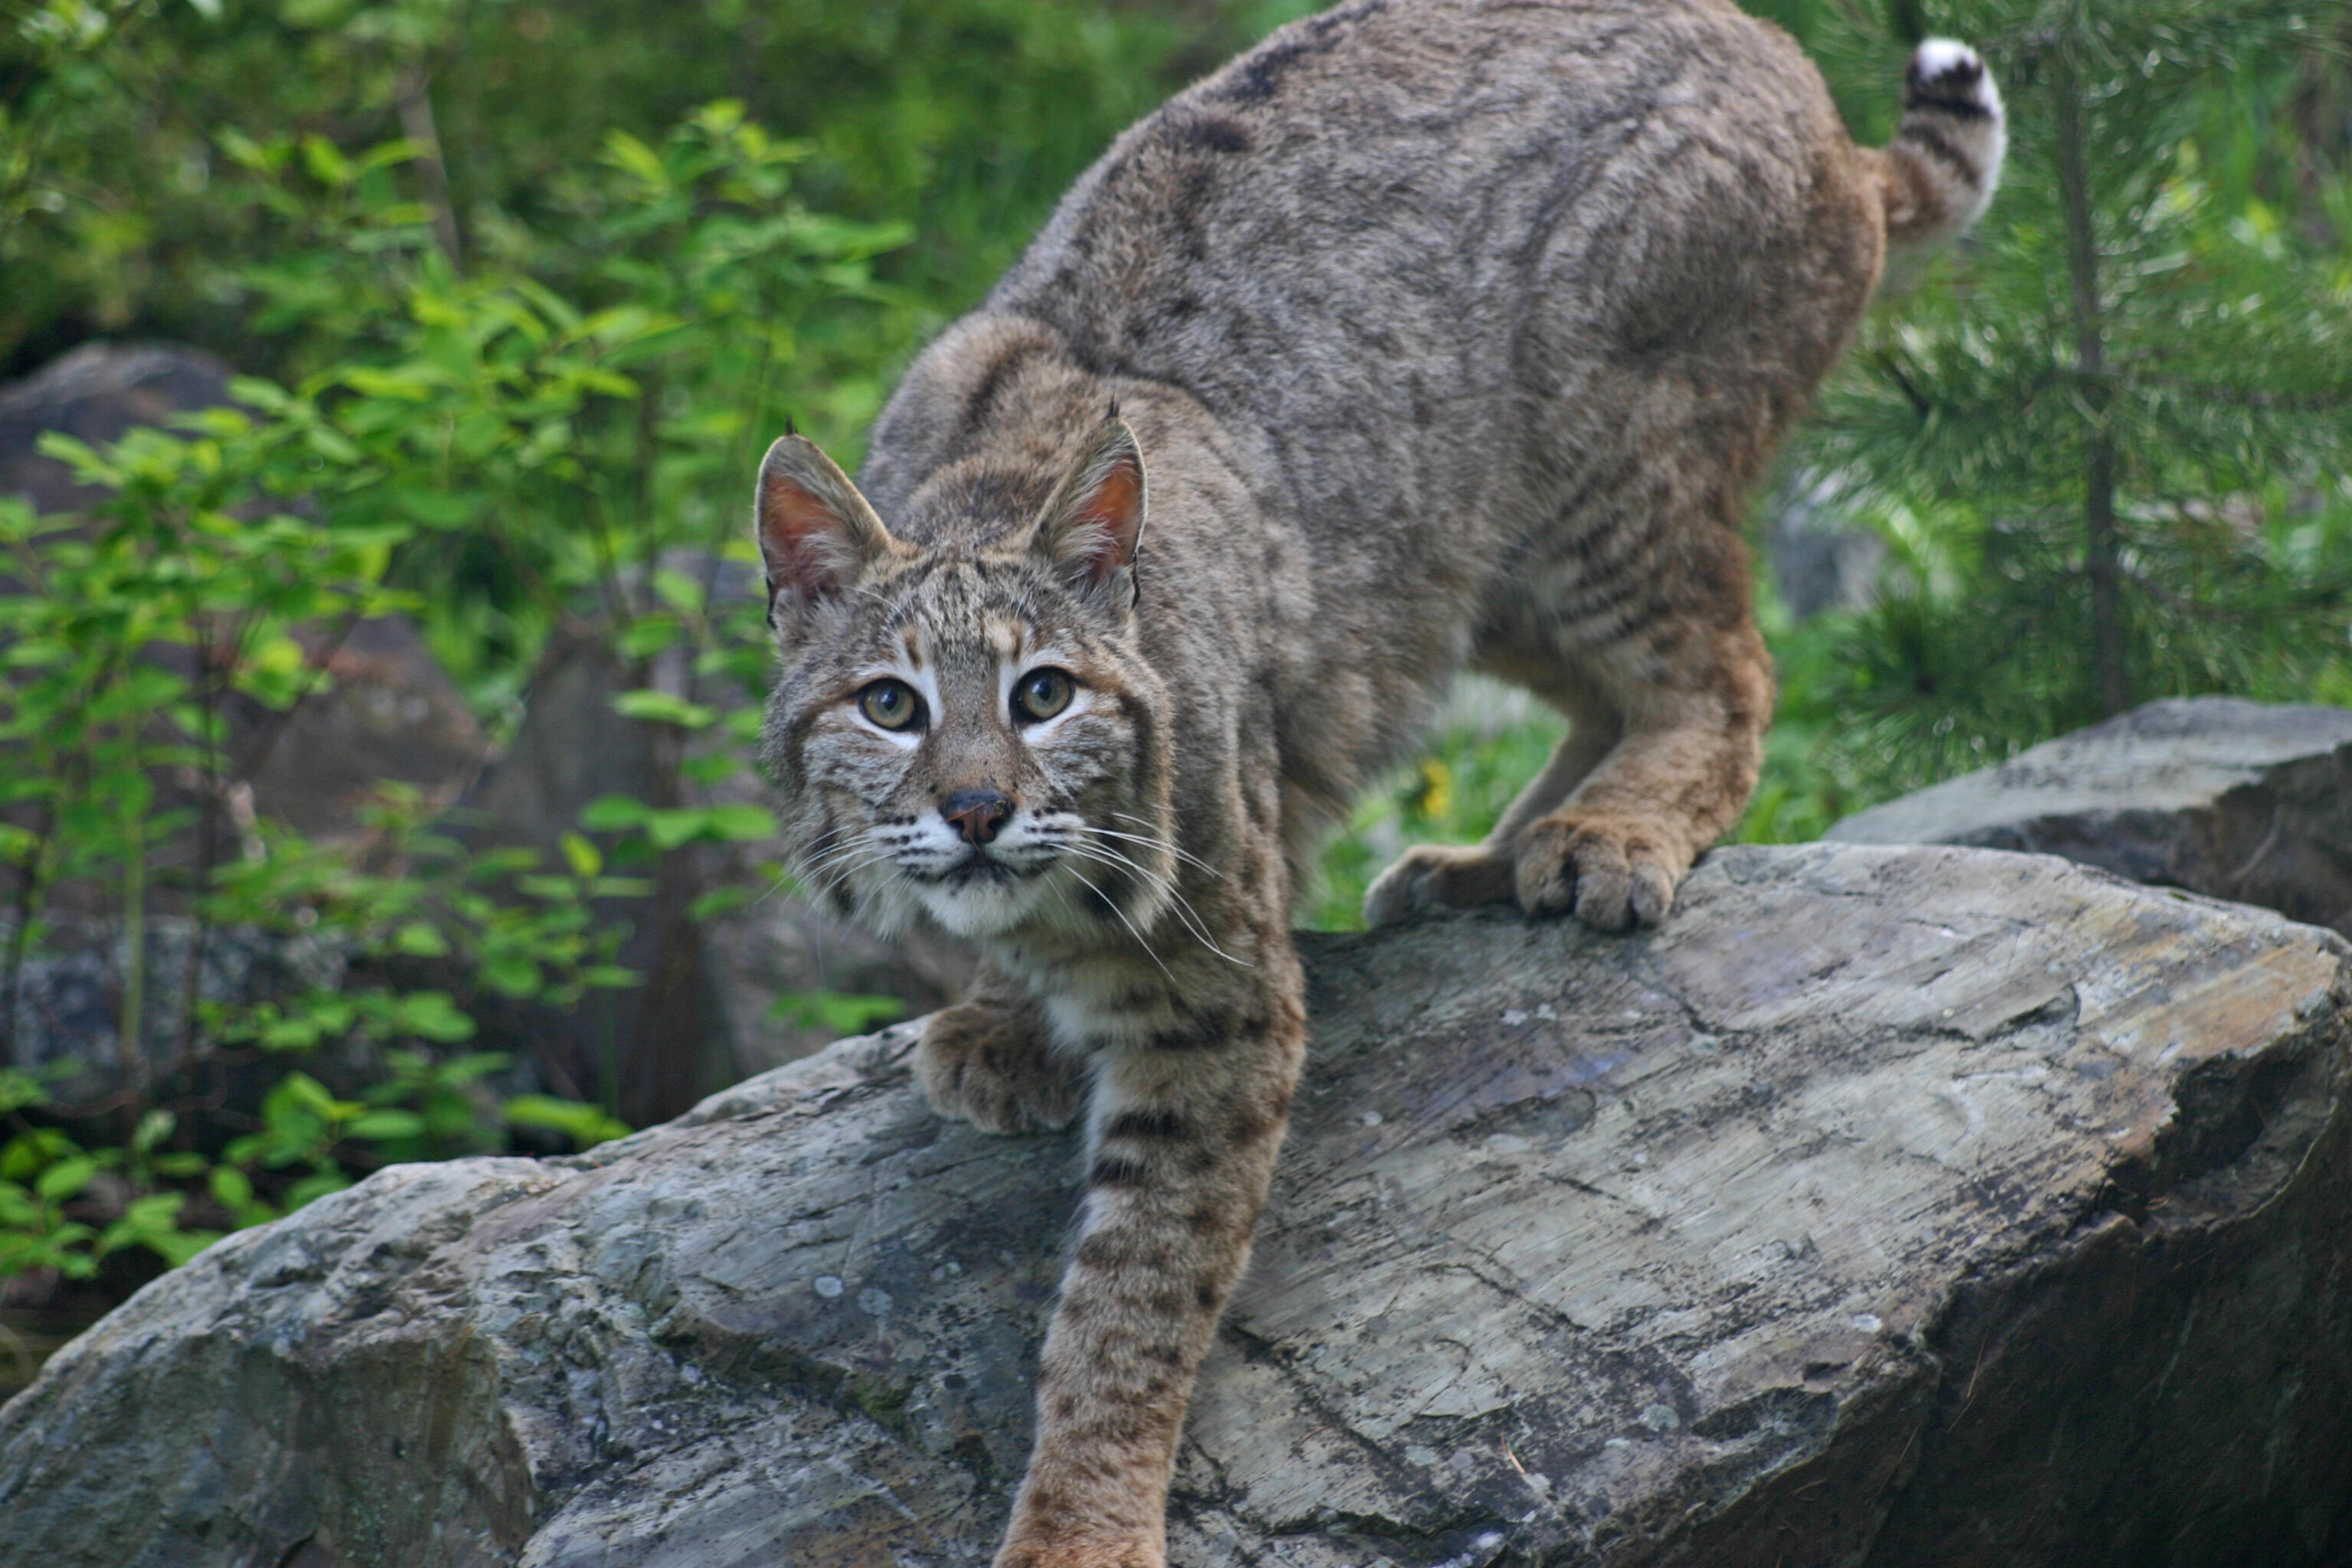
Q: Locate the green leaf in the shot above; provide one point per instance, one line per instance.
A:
(649, 636)
(316, 1185)
(20, 1089)
(716, 902)
(625, 151)
(177, 1246)
(467, 1068)
(432, 1016)
(741, 821)
(585, 1125)
(678, 591)
(660, 707)
(671, 829)
(614, 813)
(381, 1126)
(517, 977)
(64, 1179)
(232, 1186)
(842, 1013)
(153, 1128)
(420, 939)
(583, 856)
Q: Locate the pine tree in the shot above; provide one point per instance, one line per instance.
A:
(2108, 437)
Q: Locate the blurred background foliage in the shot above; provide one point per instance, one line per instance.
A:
(520, 287)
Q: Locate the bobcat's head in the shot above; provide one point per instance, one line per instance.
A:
(967, 728)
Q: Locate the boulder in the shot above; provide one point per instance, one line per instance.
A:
(67, 1024)
(2239, 800)
(1821, 558)
(1906, 1206)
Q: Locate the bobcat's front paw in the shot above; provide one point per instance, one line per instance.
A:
(992, 1066)
(1614, 872)
(1437, 876)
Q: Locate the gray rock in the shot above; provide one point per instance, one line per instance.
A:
(1913, 1206)
(2239, 800)
(391, 713)
(66, 1022)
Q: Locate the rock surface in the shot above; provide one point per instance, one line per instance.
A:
(1903, 1207)
(2239, 800)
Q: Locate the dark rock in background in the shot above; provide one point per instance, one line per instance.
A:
(1914, 1208)
(68, 1019)
(391, 713)
(2239, 800)
(1819, 559)
(96, 394)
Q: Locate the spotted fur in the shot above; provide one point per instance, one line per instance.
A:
(1439, 333)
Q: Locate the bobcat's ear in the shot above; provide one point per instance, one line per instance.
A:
(1092, 525)
(816, 533)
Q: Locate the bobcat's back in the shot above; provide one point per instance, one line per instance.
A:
(1401, 239)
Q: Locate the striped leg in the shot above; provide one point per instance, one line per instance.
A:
(1183, 1128)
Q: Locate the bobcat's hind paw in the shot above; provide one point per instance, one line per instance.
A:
(1612, 871)
(1437, 877)
(979, 1064)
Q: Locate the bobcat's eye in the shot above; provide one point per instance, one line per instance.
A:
(892, 704)
(1040, 694)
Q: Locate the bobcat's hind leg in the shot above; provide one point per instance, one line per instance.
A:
(1695, 696)
(1462, 876)
(990, 1061)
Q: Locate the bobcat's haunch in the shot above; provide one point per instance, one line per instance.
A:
(1429, 334)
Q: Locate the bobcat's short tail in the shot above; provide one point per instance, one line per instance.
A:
(1939, 173)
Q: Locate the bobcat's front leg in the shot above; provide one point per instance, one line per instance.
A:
(1183, 1127)
(990, 1061)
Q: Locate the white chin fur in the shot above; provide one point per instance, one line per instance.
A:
(981, 908)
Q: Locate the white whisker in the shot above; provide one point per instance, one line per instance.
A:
(1185, 913)
(1185, 856)
(1112, 905)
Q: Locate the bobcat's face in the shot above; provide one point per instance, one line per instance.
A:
(961, 734)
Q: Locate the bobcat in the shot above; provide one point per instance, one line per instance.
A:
(1429, 334)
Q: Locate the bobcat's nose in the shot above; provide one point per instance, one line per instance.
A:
(977, 813)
